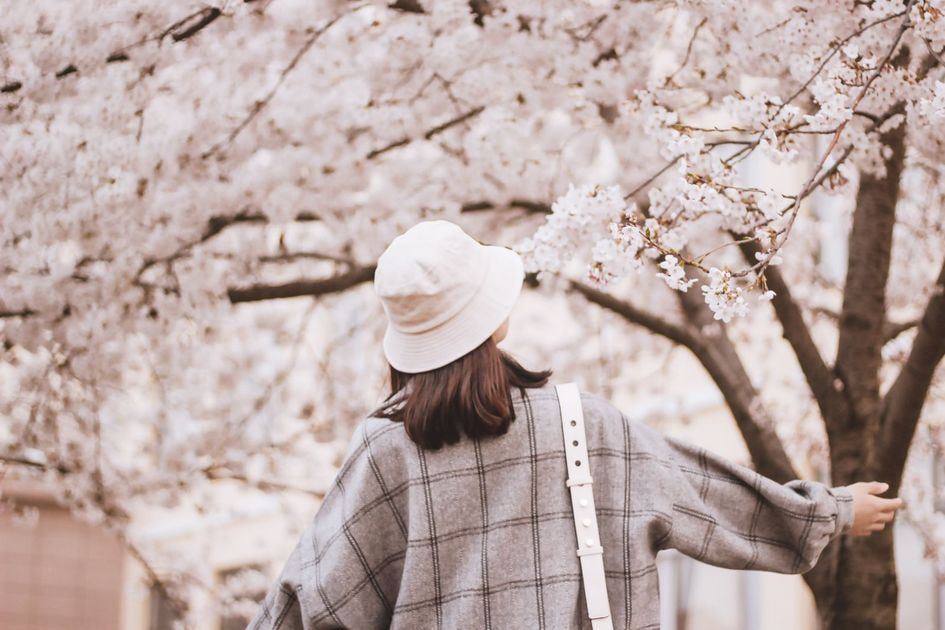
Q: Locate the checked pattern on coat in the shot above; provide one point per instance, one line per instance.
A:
(479, 534)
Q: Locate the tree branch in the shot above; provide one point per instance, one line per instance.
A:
(692, 40)
(902, 405)
(523, 204)
(23, 312)
(707, 340)
(289, 257)
(891, 330)
(334, 284)
(819, 376)
(203, 18)
(214, 226)
(154, 580)
(223, 474)
(718, 355)
(217, 224)
(429, 133)
(863, 315)
(17, 460)
(678, 333)
(407, 6)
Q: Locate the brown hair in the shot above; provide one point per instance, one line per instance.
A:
(472, 393)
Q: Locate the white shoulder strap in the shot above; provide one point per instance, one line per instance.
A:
(582, 505)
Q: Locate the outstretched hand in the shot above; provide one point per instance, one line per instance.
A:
(870, 512)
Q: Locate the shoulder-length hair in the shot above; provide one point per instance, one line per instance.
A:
(471, 394)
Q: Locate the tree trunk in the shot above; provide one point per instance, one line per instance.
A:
(863, 594)
(867, 590)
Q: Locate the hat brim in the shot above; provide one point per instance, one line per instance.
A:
(477, 321)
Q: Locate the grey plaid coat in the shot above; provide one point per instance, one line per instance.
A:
(479, 534)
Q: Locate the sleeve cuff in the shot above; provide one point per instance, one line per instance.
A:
(844, 509)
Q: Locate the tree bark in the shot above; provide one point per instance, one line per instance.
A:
(312, 288)
(904, 401)
(865, 592)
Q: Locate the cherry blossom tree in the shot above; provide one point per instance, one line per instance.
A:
(173, 173)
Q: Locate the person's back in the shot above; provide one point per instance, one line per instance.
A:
(451, 508)
(480, 533)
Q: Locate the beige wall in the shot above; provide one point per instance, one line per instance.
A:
(59, 573)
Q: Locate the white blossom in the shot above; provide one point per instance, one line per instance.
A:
(675, 275)
(582, 214)
(723, 295)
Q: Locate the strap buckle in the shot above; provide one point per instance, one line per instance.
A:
(579, 481)
(587, 551)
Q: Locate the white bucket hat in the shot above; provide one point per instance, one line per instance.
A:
(444, 293)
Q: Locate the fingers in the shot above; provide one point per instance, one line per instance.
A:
(887, 505)
(873, 512)
(868, 529)
(877, 524)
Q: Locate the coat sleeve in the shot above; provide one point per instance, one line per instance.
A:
(282, 607)
(730, 516)
(345, 570)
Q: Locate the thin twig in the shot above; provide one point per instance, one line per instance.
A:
(218, 473)
(650, 179)
(154, 579)
(258, 106)
(938, 55)
(692, 40)
(429, 133)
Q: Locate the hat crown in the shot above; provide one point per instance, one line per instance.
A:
(428, 274)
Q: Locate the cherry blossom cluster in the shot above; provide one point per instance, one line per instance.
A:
(708, 150)
(577, 216)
